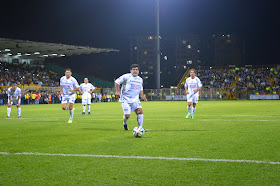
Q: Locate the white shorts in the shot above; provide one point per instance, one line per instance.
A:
(14, 101)
(193, 99)
(68, 98)
(86, 101)
(130, 107)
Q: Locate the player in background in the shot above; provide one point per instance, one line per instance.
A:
(131, 86)
(68, 88)
(14, 97)
(192, 86)
(86, 89)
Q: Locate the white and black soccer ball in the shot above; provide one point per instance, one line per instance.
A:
(138, 132)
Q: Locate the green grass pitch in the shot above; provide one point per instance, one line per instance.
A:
(230, 130)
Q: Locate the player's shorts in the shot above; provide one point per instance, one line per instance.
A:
(86, 101)
(130, 107)
(68, 98)
(14, 101)
(193, 99)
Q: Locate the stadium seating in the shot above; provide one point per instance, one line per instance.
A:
(80, 78)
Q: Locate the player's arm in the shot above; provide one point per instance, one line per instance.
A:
(117, 87)
(75, 85)
(61, 90)
(199, 86)
(19, 98)
(9, 97)
(74, 90)
(186, 88)
(10, 100)
(142, 95)
(118, 83)
(92, 90)
(196, 90)
(80, 89)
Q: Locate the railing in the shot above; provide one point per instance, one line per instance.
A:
(166, 94)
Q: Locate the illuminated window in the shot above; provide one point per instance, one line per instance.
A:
(189, 62)
(189, 46)
(150, 37)
(184, 42)
(198, 50)
(145, 53)
(174, 66)
(228, 41)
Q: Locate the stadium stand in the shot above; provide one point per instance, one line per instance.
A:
(80, 77)
(27, 75)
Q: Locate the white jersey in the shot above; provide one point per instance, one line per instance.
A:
(14, 94)
(68, 84)
(192, 84)
(86, 88)
(131, 87)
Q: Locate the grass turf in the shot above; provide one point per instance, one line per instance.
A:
(239, 130)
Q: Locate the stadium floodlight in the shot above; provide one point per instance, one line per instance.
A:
(45, 55)
(54, 54)
(7, 50)
(157, 47)
(62, 55)
(9, 54)
(27, 54)
(18, 53)
(36, 52)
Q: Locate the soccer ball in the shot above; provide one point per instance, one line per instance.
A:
(138, 132)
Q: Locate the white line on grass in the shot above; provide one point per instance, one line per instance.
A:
(139, 157)
(117, 119)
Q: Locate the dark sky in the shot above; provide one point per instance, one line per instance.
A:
(107, 24)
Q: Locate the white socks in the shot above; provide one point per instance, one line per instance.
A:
(193, 110)
(84, 108)
(124, 120)
(19, 112)
(71, 113)
(88, 108)
(8, 112)
(140, 118)
(189, 109)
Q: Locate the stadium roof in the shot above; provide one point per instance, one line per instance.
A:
(21, 49)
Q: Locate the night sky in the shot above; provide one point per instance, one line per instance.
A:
(108, 24)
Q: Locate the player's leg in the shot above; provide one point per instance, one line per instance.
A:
(195, 100)
(189, 100)
(189, 109)
(64, 103)
(71, 107)
(126, 111)
(137, 107)
(19, 110)
(84, 106)
(9, 108)
(88, 104)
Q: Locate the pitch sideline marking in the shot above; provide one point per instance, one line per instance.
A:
(140, 157)
(58, 118)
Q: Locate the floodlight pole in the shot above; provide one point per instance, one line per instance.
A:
(157, 47)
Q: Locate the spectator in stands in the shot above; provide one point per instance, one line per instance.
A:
(37, 98)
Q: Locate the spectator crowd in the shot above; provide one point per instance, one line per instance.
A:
(26, 74)
(245, 78)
